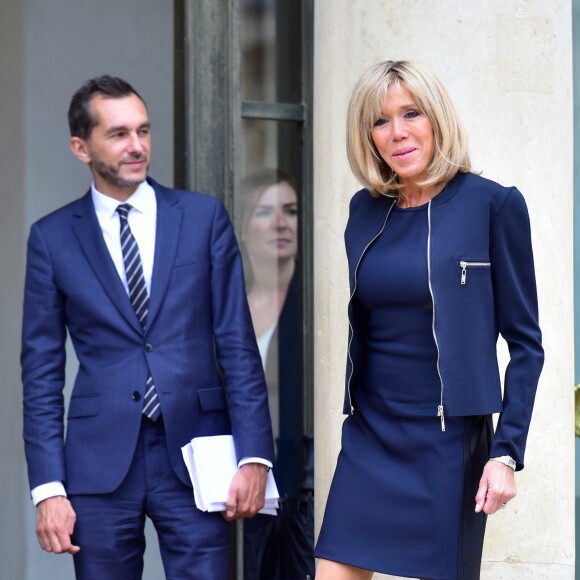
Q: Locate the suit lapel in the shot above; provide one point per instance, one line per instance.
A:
(88, 232)
(169, 220)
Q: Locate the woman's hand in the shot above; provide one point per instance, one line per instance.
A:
(496, 487)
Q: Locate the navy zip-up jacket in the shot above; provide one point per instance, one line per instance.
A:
(481, 275)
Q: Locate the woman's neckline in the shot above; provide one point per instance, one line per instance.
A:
(425, 203)
(412, 208)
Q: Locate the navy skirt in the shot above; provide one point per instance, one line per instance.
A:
(402, 499)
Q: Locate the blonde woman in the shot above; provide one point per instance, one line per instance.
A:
(440, 264)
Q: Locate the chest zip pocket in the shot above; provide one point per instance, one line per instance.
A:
(464, 265)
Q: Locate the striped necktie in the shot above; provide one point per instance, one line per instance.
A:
(139, 298)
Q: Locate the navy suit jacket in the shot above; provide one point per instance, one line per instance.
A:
(198, 344)
(473, 219)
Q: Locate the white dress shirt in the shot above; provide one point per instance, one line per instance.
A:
(143, 223)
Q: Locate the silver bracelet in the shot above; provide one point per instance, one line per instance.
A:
(506, 460)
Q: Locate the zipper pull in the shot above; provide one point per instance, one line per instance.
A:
(463, 272)
(440, 414)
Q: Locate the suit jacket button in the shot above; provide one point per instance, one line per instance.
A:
(136, 396)
(148, 347)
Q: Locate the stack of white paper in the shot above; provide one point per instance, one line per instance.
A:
(211, 463)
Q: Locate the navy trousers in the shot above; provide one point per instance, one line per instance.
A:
(194, 545)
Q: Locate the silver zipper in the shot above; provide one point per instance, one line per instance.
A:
(440, 410)
(464, 265)
(350, 300)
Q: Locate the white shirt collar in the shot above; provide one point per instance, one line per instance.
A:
(142, 199)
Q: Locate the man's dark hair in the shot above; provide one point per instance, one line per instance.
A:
(80, 118)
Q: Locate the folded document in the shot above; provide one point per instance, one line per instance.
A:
(212, 464)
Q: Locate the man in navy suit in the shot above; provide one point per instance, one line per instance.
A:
(152, 375)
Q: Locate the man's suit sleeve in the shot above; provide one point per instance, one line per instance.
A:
(236, 348)
(43, 363)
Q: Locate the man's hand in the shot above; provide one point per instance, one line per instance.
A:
(496, 487)
(55, 521)
(247, 492)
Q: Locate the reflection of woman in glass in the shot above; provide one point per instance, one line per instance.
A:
(269, 243)
(280, 547)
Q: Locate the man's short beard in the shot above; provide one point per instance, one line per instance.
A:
(111, 175)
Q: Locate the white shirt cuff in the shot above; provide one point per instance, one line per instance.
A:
(46, 490)
(245, 460)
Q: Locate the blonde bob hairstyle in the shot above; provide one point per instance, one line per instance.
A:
(450, 153)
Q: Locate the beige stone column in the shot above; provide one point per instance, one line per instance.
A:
(507, 65)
